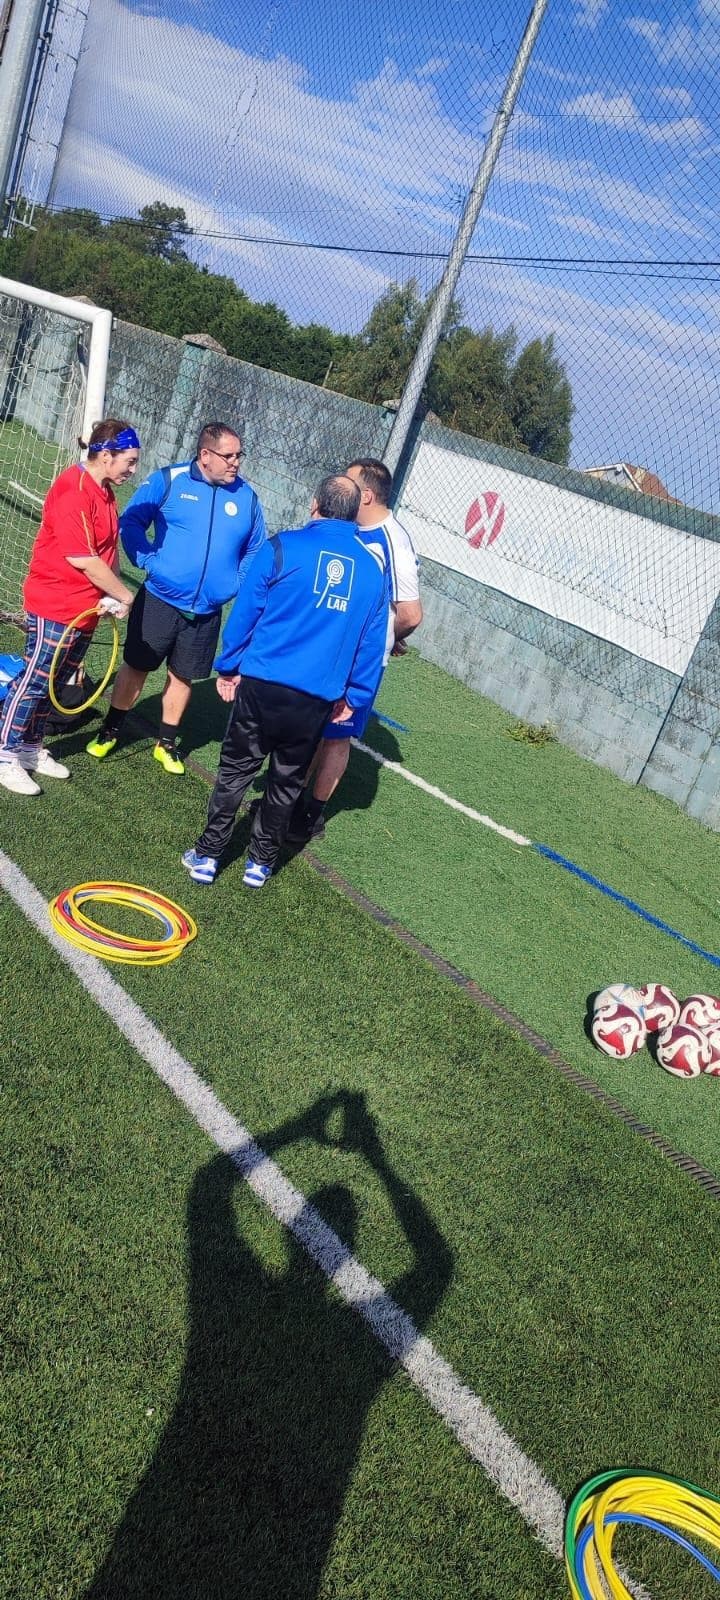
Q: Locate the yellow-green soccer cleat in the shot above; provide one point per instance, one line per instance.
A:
(99, 748)
(169, 759)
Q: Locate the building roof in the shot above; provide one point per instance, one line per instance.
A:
(639, 478)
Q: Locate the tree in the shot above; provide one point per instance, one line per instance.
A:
(469, 382)
(158, 232)
(540, 401)
(139, 269)
(376, 367)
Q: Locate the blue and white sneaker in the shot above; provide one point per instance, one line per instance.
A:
(255, 874)
(201, 868)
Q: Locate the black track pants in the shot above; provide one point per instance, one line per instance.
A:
(267, 719)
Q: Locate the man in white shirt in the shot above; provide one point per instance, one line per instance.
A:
(393, 546)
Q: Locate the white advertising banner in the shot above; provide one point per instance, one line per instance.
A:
(640, 584)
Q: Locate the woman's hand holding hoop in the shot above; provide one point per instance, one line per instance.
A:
(61, 646)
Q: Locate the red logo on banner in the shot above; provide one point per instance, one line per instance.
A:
(485, 519)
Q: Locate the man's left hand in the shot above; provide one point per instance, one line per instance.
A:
(227, 687)
(342, 712)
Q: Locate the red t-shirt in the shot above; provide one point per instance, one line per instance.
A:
(79, 519)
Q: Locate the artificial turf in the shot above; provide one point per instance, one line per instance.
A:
(536, 938)
(565, 1269)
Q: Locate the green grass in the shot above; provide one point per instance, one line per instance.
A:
(537, 939)
(183, 1391)
(184, 1399)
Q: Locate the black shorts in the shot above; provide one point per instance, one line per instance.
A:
(158, 632)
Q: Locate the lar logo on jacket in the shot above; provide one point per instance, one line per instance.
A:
(333, 580)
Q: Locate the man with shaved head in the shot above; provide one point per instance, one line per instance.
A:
(304, 642)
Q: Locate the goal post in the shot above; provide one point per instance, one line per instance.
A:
(53, 368)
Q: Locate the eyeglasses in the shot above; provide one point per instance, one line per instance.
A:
(225, 455)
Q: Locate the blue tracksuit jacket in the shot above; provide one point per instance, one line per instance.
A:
(312, 614)
(205, 536)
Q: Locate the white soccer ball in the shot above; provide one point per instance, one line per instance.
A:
(713, 1038)
(661, 1007)
(700, 1010)
(618, 1030)
(684, 1050)
(619, 994)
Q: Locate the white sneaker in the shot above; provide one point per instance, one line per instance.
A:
(14, 776)
(41, 761)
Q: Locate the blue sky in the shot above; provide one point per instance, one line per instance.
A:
(361, 127)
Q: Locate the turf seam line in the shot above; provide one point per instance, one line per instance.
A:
(517, 1477)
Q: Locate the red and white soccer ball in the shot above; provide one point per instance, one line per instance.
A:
(661, 1007)
(618, 1030)
(701, 1011)
(619, 994)
(684, 1050)
(713, 1038)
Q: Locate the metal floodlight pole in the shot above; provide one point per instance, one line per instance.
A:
(19, 52)
(473, 206)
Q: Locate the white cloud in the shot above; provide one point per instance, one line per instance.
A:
(693, 46)
(587, 227)
(615, 112)
(310, 285)
(645, 210)
(620, 111)
(589, 13)
(251, 146)
(671, 95)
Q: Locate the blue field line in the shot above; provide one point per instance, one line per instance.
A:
(389, 723)
(622, 899)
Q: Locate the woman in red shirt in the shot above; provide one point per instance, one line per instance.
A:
(73, 565)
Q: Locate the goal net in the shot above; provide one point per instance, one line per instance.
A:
(53, 362)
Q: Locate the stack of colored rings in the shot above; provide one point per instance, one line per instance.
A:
(69, 919)
(649, 1500)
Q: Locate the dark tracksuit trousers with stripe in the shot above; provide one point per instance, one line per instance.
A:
(267, 719)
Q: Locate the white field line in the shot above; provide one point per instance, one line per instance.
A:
(439, 794)
(514, 1474)
(20, 487)
(511, 1471)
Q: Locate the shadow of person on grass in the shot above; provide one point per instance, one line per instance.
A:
(358, 788)
(248, 1481)
(204, 721)
(356, 792)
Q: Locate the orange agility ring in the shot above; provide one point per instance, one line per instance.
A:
(69, 919)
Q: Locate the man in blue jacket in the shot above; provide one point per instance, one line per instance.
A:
(208, 525)
(304, 641)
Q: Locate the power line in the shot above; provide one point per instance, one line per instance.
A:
(590, 264)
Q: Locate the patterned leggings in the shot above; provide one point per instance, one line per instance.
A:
(27, 705)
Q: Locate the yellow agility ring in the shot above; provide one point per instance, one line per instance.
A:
(74, 711)
(69, 919)
(668, 1506)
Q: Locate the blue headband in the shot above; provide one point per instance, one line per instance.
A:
(127, 439)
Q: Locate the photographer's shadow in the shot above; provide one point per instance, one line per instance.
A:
(249, 1478)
